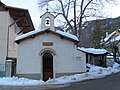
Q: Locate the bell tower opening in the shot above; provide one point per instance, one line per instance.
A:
(47, 21)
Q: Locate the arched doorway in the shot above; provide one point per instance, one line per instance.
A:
(47, 66)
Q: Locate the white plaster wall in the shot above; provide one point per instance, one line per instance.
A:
(30, 60)
(13, 30)
(5, 21)
(3, 35)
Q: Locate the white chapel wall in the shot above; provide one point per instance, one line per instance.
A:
(30, 60)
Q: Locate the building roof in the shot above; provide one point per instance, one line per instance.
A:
(38, 32)
(25, 23)
(112, 37)
(48, 13)
(93, 51)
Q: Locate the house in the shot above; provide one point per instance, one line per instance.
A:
(45, 53)
(112, 43)
(95, 56)
(111, 40)
(13, 22)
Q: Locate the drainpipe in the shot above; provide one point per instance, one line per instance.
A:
(7, 58)
(7, 42)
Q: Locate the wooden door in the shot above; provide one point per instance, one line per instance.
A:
(47, 66)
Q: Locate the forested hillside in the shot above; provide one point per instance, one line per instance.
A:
(93, 30)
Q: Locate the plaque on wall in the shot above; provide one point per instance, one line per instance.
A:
(47, 43)
(78, 58)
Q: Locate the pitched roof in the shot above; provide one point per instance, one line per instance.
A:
(112, 37)
(47, 13)
(36, 32)
(25, 24)
(93, 51)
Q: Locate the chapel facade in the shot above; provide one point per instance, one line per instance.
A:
(46, 53)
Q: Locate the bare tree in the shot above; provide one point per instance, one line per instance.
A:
(72, 13)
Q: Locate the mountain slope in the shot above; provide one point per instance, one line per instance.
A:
(107, 25)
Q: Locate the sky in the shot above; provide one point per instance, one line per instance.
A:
(32, 7)
(112, 10)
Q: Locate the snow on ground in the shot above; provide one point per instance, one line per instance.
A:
(15, 81)
(94, 72)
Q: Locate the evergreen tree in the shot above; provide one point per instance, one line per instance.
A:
(97, 34)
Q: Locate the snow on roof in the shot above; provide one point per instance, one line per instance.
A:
(107, 38)
(67, 35)
(38, 31)
(116, 38)
(93, 50)
(26, 35)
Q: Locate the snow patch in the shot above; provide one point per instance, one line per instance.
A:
(15, 81)
(94, 72)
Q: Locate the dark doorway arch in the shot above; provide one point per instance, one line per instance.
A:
(47, 66)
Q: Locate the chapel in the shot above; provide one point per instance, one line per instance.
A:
(46, 53)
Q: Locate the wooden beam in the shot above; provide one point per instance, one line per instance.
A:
(16, 17)
(16, 21)
(22, 30)
(23, 26)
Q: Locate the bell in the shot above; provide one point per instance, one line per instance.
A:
(47, 22)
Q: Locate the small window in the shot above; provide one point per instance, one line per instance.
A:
(47, 21)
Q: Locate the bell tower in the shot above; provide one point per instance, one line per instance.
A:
(47, 21)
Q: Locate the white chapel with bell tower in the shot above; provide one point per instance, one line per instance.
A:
(48, 53)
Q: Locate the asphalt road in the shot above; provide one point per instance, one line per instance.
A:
(111, 82)
(107, 83)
